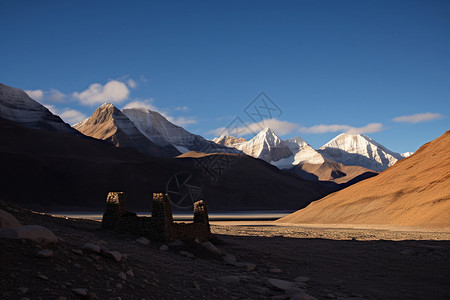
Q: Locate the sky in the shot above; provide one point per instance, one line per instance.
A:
(312, 69)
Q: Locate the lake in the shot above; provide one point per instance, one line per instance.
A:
(252, 215)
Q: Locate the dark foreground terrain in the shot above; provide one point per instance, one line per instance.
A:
(340, 264)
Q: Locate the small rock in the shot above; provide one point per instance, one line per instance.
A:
(122, 276)
(302, 279)
(331, 296)
(196, 286)
(303, 297)
(233, 280)
(116, 255)
(80, 291)
(130, 272)
(35, 233)
(248, 266)
(175, 243)
(187, 254)
(22, 290)
(45, 253)
(143, 241)
(119, 285)
(77, 266)
(163, 247)
(77, 251)
(294, 292)
(91, 248)
(42, 277)
(275, 270)
(196, 240)
(211, 248)
(229, 258)
(115, 298)
(7, 220)
(279, 284)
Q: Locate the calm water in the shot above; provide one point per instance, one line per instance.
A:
(254, 215)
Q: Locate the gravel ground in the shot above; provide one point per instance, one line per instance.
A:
(341, 263)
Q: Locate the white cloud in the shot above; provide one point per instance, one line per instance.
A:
(72, 116)
(114, 92)
(35, 94)
(181, 121)
(131, 83)
(141, 104)
(182, 108)
(52, 95)
(424, 117)
(317, 129)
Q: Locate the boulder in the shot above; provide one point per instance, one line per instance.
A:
(7, 220)
(36, 233)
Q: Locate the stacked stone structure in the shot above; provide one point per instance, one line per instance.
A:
(160, 226)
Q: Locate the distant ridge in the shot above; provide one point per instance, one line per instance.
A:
(413, 192)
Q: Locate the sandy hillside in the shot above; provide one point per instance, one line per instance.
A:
(413, 192)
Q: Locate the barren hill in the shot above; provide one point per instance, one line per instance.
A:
(413, 192)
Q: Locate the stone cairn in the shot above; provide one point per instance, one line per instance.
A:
(160, 226)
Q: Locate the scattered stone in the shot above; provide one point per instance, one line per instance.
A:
(116, 255)
(187, 254)
(295, 292)
(7, 220)
(279, 284)
(143, 241)
(35, 233)
(42, 277)
(22, 290)
(302, 279)
(130, 273)
(196, 240)
(45, 253)
(163, 247)
(196, 286)
(248, 266)
(77, 251)
(232, 280)
(331, 296)
(275, 270)
(91, 248)
(119, 285)
(122, 276)
(80, 291)
(175, 243)
(211, 248)
(77, 266)
(230, 259)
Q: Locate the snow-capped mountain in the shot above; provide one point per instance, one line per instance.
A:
(266, 145)
(407, 154)
(17, 106)
(229, 141)
(109, 123)
(303, 152)
(359, 150)
(162, 132)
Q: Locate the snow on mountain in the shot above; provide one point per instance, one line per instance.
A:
(229, 141)
(17, 106)
(303, 152)
(359, 150)
(162, 132)
(109, 123)
(266, 145)
(407, 154)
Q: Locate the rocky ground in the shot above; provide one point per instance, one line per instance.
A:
(243, 262)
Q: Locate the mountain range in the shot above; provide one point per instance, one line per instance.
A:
(413, 192)
(47, 165)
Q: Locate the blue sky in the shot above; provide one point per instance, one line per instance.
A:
(377, 67)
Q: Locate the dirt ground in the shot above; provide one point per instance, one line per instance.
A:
(342, 263)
